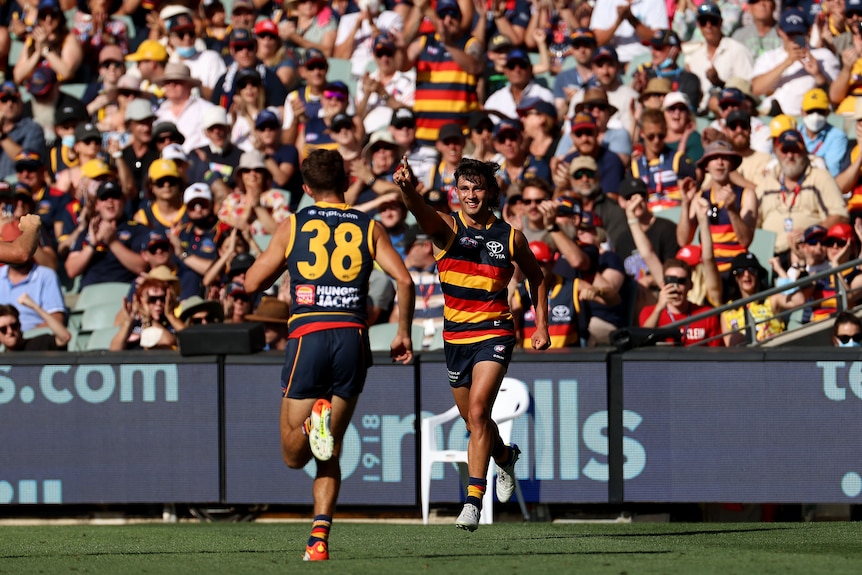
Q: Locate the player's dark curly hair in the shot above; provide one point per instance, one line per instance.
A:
(482, 174)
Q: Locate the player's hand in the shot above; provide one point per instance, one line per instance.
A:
(401, 350)
(541, 340)
(404, 176)
(29, 223)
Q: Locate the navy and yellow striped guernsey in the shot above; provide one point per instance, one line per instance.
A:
(475, 269)
(329, 255)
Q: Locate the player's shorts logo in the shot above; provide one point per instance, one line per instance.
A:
(499, 348)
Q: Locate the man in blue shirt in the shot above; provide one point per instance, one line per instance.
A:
(821, 138)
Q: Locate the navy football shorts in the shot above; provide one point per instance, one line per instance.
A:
(460, 358)
(326, 363)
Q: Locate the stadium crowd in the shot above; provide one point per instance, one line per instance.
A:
(648, 150)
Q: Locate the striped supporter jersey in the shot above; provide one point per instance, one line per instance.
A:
(330, 255)
(475, 269)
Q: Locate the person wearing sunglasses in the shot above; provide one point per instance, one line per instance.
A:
(163, 207)
(385, 89)
(12, 336)
(842, 245)
(584, 132)
(846, 330)
(273, 53)
(797, 196)
(101, 90)
(247, 104)
(148, 321)
(761, 34)
(482, 138)
(517, 163)
(737, 131)
(315, 133)
(304, 105)
(521, 86)
(749, 278)
(665, 47)
(243, 50)
(196, 310)
(184, 46)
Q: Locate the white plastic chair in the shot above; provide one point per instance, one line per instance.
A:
(513, 400)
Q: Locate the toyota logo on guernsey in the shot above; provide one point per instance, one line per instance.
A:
(495, 249)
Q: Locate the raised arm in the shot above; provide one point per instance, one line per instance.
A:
(440, 227)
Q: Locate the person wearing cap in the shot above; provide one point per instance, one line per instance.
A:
(201, 233)
(450, 145)
(87, 146)
(243, 50)
(18, 131)
(359, 34)
(385, 89)
(111, 118)
(50, 202)
(502, 17)
(594, 101)
(163, 209)
(274, 315)
(75, 217)
(478, 332)
(568, 82)
(518, 164)
(428, 298)
(732, 99)
(273, 53)
(521, 86)
(761, 34)
(749, 278)
(821, 138)
(494, 76)
(732, 209)
(282, 160)
(625, 26)
(665, 48)
(110, 250)
(141, 151)
(607, 72)
(842, 246)
(449, 63)
(659, 166)
(850, 179)
(812, 257)
(166, 134)
(540, 126)
(423, 159)
(304, 104)
(737, 130)
(328, 351)
(150, 59)
(49, 44)
(247, 104)
(206, 66)
(254, 203)
(797, 196)
(482, 138)
(46, 99)
(181, 106)
(681, 124)
(585, 137)
(659, 235)
(718, 58)
(215, 162)
(99, 91)
(372, 172)
(786, 74)
(315, 132)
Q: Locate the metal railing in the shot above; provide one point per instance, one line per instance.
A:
(750, 327)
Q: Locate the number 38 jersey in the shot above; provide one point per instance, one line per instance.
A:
(330, 255)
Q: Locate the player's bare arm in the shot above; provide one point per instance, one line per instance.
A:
(439, 227)
(271, 264)
(393, 265)
(538, 290)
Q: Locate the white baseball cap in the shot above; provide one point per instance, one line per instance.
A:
(174, 152)
(197, 191)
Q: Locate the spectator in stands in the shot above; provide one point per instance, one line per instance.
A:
(493, 76)
(243, 48)
(141, 150)
(732, 99)
(447, 65)
(204, 66)
(661, 168)
(315, 28)
(585, 135)
(842, 246)
(46, 99)
(450, 145)
(420, 262)
(849, 179)
(165, 134)
(606, 68)
(541, 128)
(659, 232)
(62, 154)
(821, 138)
(254, 206)
(111, 68)
(110, 251)
(237, 303)
(39, 284)
(181, 106)
(672, 306)
(18, 131)
(501, 17)
(87, 146)
(343, 131)
(611, 133)
(653, 95)
(282, 160)
(273, 314)
(799, 196)
(12, 336)
(272, 52)
(243, 14)
(761, 35)
(533, 193)
(732, 208)
(150, 59)
(215, 31)
(521, 86)
(385, 89)
(482, 138)
(98, 28)
(568, 82)
(749, 278)
(111, 117)
(627, 26)
(31, 171)
(567, 325)
(665, 48)
(196, 241)
(49, 45)
(718, 58)
(218, 160)
(682, 134)
(304, 105)
(360, 35)
(517, 164)
(847, 87)
(737, 132)
(247, 104)
(374, 170)
(846, 330)
(422, 159)
(315, 133)
(148, 321)
(198, 311)
(785, 74)
(163, 209)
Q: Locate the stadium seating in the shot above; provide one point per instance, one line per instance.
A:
(381, 335)
(513, 400)
(101, 339)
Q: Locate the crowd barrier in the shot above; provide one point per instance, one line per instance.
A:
(649, 425)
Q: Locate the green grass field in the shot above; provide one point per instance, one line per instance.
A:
(383, 548)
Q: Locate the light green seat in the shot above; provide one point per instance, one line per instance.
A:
(339, 69)
(101, 339)
(763, 248)
(36, 332)
(381, 336)
(100, 316)
(101, 293)
(74, 90)
(671, 214)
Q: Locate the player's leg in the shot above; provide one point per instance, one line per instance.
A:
(294, 440)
